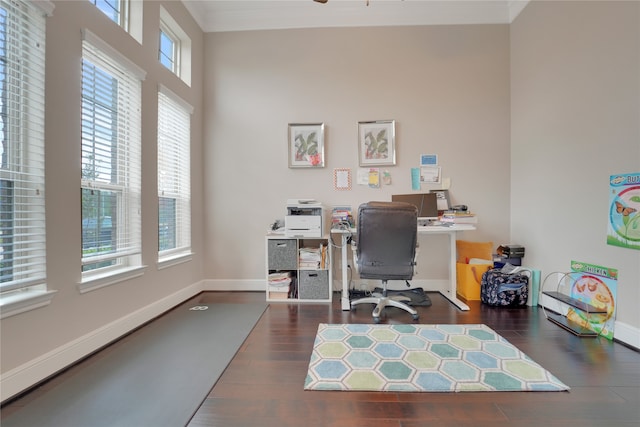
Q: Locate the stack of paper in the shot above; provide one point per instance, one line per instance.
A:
(280, 280)
(278, 285)
(310, 258)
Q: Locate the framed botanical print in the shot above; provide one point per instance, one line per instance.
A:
(377, 143)
(306, 145)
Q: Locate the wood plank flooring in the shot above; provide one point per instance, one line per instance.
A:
(263, 385)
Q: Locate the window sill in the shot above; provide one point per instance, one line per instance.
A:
(21, 302)
(169, 261)
(97, 281)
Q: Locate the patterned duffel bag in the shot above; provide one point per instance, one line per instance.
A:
(505, 289)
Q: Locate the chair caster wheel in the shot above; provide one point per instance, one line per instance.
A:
(416, 316)
(376, 320)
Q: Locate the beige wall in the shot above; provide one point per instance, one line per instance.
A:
(447, 88)
(73, 321)
(575, 120)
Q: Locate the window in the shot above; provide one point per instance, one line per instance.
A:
(174, 176)
(174, 50)
(125, 13)
(22, 204)
(110, 182)
(169, 48)
(114, 9)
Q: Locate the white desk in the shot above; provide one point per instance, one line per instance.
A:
(452, 231)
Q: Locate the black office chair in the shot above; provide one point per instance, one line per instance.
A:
(386, 250)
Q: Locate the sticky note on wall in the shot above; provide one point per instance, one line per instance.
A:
(415, 178)
(374, 178)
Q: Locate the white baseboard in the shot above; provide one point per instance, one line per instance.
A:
(260, 285)
(627, 334)
(31, 373)
(234, 285)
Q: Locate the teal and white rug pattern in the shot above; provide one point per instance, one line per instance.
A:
(421, 358)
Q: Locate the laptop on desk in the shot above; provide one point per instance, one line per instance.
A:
(427, 204)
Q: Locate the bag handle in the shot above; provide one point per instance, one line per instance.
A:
(475, 275)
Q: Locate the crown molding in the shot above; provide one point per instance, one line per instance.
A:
(247, 15)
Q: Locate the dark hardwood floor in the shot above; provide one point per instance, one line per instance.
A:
(263, 385)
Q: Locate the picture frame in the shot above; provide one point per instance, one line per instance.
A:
(342, 179)
(377, 143)
(306, 145)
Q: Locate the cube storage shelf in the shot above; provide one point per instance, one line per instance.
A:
(292, 278)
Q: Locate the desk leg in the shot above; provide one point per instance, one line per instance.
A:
(344, 300)
(451, 293)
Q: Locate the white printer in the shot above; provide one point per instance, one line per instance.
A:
(305, 218)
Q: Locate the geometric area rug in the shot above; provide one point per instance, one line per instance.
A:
(421, 358)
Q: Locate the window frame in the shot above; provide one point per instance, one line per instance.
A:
(175, 50)
(127, 162)
(130, 17)
(182, 45)
(122, 12)
(177, 186)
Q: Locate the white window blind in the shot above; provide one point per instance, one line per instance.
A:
(22, 207)
(174, 175)
(111, 162)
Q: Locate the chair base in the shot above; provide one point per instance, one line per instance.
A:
(382, 301)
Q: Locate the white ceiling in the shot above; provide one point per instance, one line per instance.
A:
(242, 15)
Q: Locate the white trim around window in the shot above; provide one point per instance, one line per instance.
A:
(111, 165)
